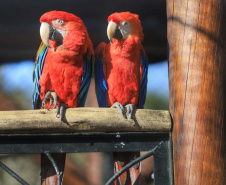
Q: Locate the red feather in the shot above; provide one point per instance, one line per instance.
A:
(122, 69)
(122, 74)
(49, 16)
(63, 67)
(62, 73)
(121, 62)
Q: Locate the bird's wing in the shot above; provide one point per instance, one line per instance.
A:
(39, 62)
(100, 84)
(144, 79)
(86, 79)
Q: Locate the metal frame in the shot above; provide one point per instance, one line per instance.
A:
(158, 145)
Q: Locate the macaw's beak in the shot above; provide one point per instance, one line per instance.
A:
(113, 31)
(47, 32)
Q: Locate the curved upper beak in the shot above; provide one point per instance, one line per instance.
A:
(46, 32)
(113, 31)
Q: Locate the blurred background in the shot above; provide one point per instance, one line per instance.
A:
(19, 42)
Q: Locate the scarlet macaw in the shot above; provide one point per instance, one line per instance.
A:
(121, 78)
(63, 71)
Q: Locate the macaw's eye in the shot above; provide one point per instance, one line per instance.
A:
(125, 23)
(60, 21)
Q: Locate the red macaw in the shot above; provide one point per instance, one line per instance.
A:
(62, 73)
(121, 78)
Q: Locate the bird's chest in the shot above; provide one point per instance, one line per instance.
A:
(122, 72)
(123, 76)
(61, 74)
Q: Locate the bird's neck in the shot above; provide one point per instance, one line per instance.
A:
(127, 48)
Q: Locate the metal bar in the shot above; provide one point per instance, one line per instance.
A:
(74, 143)
(163, 169)
(158, 144)
(13, 174)
(55, 167)
(141, 158)
(85, 134)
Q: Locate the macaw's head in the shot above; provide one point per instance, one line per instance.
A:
(124, 25)
(62, 29)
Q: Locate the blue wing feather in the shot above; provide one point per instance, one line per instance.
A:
(86, 79)
(36, 102)
(101, 87)
(144, 80)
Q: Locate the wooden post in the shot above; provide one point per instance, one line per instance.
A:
(197, 90)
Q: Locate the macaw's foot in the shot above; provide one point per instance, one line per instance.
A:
(61, 111)
(130, 110)
(120, 108)
(52, 97)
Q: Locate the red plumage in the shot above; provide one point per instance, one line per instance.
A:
(52, 15)
(63, 67)
(62, 72)
(123, 73)
(121, 62)
(130, 17)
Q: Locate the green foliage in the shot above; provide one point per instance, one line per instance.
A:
(22, 101)
(156, 102)
(24, 165)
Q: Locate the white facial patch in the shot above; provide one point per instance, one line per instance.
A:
(125, 29)
(60, 26)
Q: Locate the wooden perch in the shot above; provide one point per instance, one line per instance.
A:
(83, 120)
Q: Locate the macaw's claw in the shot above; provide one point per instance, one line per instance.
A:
(120, 108)
(61, 112)
(130, 110)
(52, 97)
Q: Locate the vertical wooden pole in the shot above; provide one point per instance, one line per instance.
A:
(197, 90)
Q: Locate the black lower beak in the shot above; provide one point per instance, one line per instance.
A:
(56, 36)
(118, 34)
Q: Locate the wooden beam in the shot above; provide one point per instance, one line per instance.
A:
(83, 120)
(197, 64)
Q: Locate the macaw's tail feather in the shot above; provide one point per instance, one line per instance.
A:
(50, 163)
(132, 175)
